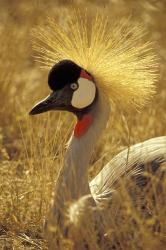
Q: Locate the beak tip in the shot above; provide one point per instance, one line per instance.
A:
(32, 112)
(43, 106)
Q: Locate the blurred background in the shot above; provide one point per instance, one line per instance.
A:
(31, 148)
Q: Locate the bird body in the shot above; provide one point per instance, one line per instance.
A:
(91, 70)
(127, 162)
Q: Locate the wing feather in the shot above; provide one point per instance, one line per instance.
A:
(129, 162)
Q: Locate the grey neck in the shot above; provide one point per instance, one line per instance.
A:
(74, 176)
(73, 182)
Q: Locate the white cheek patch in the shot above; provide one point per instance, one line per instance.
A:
(84, 95)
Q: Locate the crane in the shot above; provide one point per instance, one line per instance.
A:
(94, 62)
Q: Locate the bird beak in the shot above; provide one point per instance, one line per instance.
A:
(53, 101)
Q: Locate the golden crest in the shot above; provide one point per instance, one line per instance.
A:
(115, 51)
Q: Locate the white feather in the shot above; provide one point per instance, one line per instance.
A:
(102, 185)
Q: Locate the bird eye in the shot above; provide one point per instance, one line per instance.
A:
(74, 86)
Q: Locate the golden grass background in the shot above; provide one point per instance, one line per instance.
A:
(32, 148)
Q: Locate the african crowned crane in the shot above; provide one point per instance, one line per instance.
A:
(95, 61)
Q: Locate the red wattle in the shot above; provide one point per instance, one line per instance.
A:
(82, 126)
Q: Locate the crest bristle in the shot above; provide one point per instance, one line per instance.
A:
(114, 51)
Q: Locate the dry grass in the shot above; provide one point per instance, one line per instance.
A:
(31, 149)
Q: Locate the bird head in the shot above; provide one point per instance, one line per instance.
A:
(73, 89)
(108, 56)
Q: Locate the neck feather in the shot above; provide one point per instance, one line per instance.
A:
(74, 173)
(73, 181)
